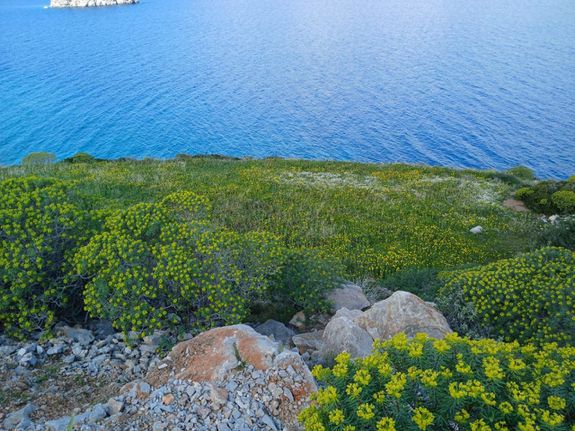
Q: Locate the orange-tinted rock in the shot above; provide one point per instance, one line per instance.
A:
(215, 355)
(167, 399)
(210, 355)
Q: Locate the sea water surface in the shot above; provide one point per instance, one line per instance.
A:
(467, 83)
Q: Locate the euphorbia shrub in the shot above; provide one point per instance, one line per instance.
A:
(41, 225)
(163, 264)
(529, 298)
(453, 384)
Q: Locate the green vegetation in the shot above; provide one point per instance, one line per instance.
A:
(304, 279)
(564, 200)
(41, 224)
(164, 264)
(41, 158)
(522, 172)
(200, 241)
(149, 265)
(528, 299)
(81, 158)
(451, 384)
(196, 242)
(375, 219)
(560, 234)
(422, 282)
(549, 197)
(157, 265)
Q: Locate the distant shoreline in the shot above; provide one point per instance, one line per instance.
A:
(224, 157)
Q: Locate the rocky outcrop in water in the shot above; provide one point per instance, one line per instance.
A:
(89, 3)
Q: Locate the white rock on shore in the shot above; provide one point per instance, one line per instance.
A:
(89, 3)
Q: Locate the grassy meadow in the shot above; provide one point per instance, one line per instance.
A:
(376, 218)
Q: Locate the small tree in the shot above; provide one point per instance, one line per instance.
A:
(39, 158)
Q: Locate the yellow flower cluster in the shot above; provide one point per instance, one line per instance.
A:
(423, 418)
(41, 224)
(530, 299)
(158, 265)
(481, 385)
(387, 218)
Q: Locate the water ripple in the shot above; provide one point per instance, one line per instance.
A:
(486, 84)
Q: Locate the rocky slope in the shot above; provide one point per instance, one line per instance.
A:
(233, 378)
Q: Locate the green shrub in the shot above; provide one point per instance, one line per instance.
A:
(452, 384)
(461, 314)
(528, 299)
(564, 200)
(558, 234)
(81, 158)
(549, 197)
(522, 172)
(160, 265)
(260, 257)
(304, 279)
(41, 225)
(524, 193)
(422, 282)
(40, 158)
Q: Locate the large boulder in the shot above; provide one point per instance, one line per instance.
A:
(353, 331)
(283, 379)
(79, 335)
(348, 296)
(403, 312)
(308, 341)
(210, 355)
(277, 331)
(342, 333)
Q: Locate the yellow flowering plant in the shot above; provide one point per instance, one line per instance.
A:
(304, 279)
(457, 384)
(42, 223)
(529, 298)
(163, 264)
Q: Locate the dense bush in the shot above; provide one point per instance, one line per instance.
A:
(558, 234)
(452, 384)
(81, 158)
(40, 158)
(304, 279)
(522, 172)
(549, 197)
(165, 264)
(41, 225)
(528, 299)
(158, 265)
(564, 200)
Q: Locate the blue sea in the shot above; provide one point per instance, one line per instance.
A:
(465, 83)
